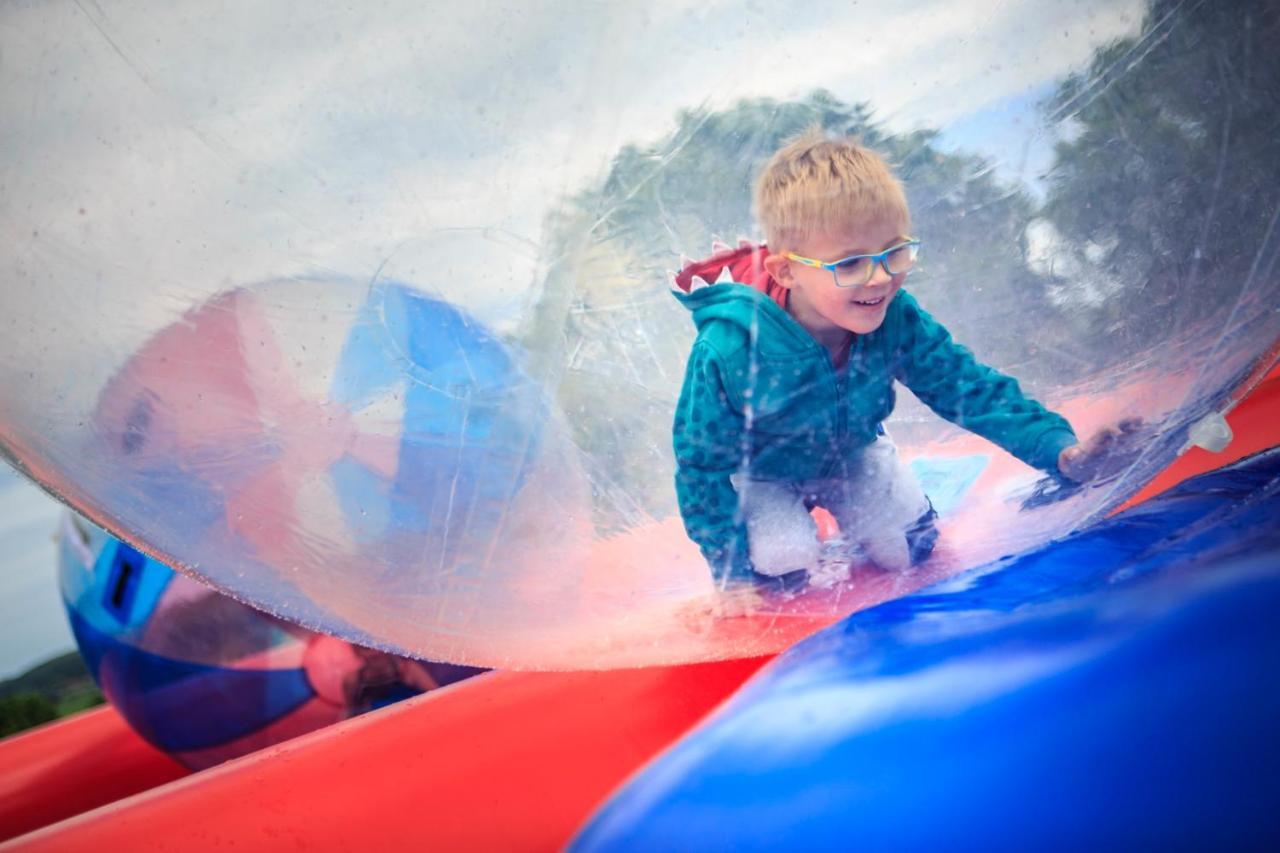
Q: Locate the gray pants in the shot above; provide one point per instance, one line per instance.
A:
(876, 506)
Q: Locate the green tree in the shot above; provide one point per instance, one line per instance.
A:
(23, 711)
(52, 689)
(1166, 190)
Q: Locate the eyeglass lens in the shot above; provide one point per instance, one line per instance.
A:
(858, 271)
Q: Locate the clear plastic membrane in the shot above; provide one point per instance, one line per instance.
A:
(362, 316)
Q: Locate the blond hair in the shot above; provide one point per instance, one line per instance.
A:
(818, 185)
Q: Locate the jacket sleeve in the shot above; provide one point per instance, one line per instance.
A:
(708, 436)
(950, 380)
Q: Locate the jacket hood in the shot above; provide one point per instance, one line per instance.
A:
(733, 286)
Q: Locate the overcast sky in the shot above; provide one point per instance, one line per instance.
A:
(33, 624)
(220, 143)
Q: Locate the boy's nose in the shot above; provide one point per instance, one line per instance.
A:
(879, 275)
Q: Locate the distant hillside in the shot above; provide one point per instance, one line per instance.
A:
(50, 677)
(53, 689)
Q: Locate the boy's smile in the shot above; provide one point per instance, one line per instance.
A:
(826, 311)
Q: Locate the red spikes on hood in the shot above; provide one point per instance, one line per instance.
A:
(744, 265)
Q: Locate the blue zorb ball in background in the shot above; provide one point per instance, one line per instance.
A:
(204, 677)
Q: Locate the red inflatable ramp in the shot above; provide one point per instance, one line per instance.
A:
(505, 760)
(73, 765)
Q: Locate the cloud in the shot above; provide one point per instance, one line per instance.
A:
(481, 114)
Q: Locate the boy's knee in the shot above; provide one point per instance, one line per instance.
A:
(778, 555)
(780, 532)
(889, 552)
(902, 549)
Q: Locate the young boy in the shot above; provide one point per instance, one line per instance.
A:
(791, 377)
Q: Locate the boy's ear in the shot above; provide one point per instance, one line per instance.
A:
(779, 267)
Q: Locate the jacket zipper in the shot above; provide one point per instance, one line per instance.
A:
(842, 416)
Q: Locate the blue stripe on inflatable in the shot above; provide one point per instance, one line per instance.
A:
(1117, 688)
(119, 593)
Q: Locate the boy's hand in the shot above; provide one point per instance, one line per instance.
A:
(1105, 453)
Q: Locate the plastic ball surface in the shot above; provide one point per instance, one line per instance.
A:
(363, 315)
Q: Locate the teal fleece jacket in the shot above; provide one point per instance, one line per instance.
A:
(762, 398)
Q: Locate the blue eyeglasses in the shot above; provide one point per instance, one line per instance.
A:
(856, 270)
